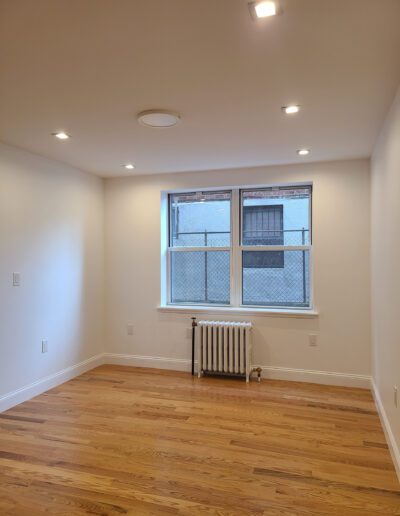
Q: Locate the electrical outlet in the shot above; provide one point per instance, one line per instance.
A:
(16, 277)
(130, 329)
(45, 346)
(395, 395)
(312, 340)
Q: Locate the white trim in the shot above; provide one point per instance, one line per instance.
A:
(236, 249)
(164, 261)
(226, 188)
(311, 277)
(320, 377)
(274, 248)
(228, 310)
(277, 373)
(180, 364)
(236, 255)
(174, 364)
(33, 389)
(393, 446)
(202, 249)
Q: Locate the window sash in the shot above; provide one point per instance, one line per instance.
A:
(196, 195)
(282, 189)
(207, 286)
(236, 250)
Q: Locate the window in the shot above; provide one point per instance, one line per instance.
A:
(240, 247)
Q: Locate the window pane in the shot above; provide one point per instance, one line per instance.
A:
(276, 216)
(200, 277)
(200, 219)
(285, 284)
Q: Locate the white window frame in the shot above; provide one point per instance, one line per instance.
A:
(236, 249)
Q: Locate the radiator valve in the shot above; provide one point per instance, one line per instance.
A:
(258, 371)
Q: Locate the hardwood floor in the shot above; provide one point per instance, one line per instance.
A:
(120, 440)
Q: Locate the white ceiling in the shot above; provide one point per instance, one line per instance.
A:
(88, 66)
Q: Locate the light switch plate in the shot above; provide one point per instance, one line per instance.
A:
(312, 340)
(16, 279)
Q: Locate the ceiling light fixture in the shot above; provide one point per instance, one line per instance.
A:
(159, 118)
(263, 9)
(291, 110)
(303, 152)
(61, 135)
(129, 166)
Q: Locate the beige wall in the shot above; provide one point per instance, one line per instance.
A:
(385, 213)
(51, 231)
(341, 274)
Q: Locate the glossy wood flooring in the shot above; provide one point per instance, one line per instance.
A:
(121, 440)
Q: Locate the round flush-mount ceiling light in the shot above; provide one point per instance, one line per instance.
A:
(159, 118)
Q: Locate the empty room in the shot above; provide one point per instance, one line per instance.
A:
(199, 257)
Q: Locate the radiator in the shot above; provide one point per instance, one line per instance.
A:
(224, 348)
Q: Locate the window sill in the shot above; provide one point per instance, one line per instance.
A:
(221, 310)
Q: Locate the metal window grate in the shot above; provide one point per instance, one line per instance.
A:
(200, 277)
(269, 286)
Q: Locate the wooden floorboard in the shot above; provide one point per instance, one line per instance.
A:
(121, 440)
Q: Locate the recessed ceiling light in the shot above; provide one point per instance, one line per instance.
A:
(159, 118)
(61, 135)
(303, 152)
(263, 9)
(129, 166)
(291, 110)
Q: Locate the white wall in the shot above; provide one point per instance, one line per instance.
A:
(385, 213)
(341, 273)
(51, 231)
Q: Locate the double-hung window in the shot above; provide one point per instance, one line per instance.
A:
(247, 247)
(200, 247)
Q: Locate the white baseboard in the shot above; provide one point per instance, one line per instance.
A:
(276, 373)
(393, 446)
(27, 392)
(312, 376)
(173, 364)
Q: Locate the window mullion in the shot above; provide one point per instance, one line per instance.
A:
(195, 249)
(168, 275)
(275, 248)
(235, 254)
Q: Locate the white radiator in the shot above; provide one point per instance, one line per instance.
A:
(224, 348)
